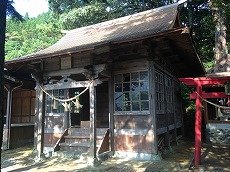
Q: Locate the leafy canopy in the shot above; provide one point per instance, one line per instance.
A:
(30, 35)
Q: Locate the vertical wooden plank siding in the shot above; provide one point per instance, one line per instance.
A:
(152, 108)
(93, 134)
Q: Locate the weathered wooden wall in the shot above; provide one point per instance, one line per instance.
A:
(23, 106)
(21, 135)
(131, 130)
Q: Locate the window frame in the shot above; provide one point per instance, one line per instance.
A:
(169, 94)
(49, 102)
(159, 92)
(131, 92)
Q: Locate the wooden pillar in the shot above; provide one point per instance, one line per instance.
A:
(198, 123)
(166, 137)
(67, 122)
(174, 111)
(39, 121)
(6, 138)
(93, 134)
(111, 117)
(153, 129)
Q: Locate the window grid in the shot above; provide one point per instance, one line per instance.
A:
(169, 94)
(159, 81)
(132, 92)
(49, 104)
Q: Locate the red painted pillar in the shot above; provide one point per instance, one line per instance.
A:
(198, 123)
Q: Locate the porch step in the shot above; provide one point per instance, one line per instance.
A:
(86, 131)
(82, 146)
(79, 139)
(79, 131)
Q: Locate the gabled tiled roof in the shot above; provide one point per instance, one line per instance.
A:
(130, 27)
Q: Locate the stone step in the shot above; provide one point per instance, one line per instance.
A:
(68, 154)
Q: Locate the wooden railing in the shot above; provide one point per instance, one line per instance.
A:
(61, 140)
(104, 146)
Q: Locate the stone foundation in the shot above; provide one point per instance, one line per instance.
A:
(218, 133)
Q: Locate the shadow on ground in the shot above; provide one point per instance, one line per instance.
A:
(214, 158)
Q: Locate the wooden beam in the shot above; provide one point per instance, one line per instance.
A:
(101, 50)
(65, 85)
(67, 72)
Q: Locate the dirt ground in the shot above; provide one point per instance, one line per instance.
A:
(214, 158)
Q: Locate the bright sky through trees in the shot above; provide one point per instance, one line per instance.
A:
(32, 7)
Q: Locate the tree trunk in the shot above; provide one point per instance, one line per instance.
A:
(221, 49)
(2, 58)
(190, 14)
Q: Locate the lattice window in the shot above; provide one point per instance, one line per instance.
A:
(169, 94)
(59, 108)
(131, 92)
(159, 86)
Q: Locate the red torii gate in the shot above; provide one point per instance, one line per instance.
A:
(198, 95)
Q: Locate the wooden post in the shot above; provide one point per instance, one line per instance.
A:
(6, 138)
(155, 153)
(198, 123)
(93, 134)
(166, 137)
(67, 121)
(111, 117)
(39, 121)
(174, 111)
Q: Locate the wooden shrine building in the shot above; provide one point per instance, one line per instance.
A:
(111, 87)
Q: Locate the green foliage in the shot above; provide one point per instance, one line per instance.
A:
(10, 10)
(187, 103)
(30, 35)
(198, 14)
